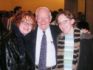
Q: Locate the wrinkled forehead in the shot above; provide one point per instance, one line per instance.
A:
(42, 10)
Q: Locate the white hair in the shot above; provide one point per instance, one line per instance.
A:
(43, 9)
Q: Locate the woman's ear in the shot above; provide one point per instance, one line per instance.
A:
(72, 21)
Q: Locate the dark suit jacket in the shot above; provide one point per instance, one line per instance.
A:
(31, 42)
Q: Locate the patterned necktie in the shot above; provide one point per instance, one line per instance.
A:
(42, 59)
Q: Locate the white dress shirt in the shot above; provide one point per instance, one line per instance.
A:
(68, 52)
(51, 53)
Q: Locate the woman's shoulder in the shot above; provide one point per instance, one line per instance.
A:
(7, 36)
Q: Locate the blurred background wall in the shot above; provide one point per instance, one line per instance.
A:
(31, 4)
(85, 6)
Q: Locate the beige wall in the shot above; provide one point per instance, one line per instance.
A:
(81, 6)
(71, 5)
(89, 13)
(5, 5)
(31, 4)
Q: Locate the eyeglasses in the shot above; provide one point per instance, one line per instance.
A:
(64, 22)
(26, 23)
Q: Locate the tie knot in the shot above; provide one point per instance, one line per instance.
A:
(43, 32)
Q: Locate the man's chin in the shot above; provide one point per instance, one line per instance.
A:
(43, 28)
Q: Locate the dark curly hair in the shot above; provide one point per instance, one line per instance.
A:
(19, 16)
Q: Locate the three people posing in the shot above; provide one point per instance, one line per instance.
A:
(45, 47)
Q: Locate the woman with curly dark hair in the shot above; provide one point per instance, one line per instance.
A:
(14, 55)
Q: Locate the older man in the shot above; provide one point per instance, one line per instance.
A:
(43, 50)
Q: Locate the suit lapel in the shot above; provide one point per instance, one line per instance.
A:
(54, 36)
(34, 44)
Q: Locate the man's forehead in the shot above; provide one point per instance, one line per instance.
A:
(42, 9)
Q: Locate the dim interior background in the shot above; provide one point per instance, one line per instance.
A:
(75, 6)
